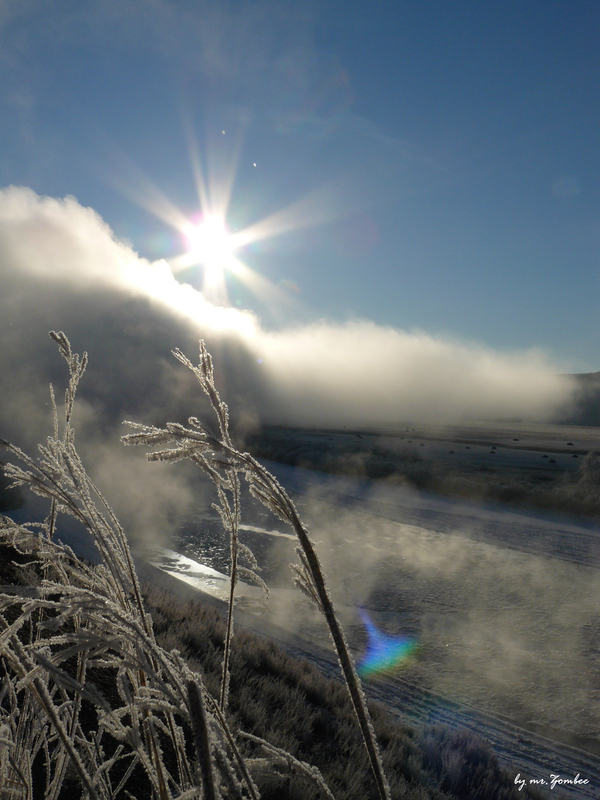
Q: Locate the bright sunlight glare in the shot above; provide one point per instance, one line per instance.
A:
(208, 242)
(211, 244)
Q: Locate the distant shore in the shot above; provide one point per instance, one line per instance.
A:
(545, 467)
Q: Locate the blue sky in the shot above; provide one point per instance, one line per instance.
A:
(441, 159)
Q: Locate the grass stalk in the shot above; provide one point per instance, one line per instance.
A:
(201, 739)
(218, 457)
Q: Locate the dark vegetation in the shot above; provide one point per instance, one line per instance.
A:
(361, 456)
(585, 408)
(288, 702)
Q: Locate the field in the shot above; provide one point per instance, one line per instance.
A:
(531, 465)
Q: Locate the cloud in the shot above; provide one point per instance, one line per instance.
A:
(62, 268)
(362, 373)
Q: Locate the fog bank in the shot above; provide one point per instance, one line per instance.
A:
(62, 268)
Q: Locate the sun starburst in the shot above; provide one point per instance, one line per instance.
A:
(211, 244)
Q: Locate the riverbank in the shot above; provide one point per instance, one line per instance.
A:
(544, 467)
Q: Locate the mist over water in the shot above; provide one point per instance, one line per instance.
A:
(504, 630)
(507, 631)
(61, 268)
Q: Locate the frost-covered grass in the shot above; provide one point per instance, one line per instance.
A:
(280, 699)
(162, 720)
(98, 700)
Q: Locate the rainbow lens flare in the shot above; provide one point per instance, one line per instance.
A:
(384, 654)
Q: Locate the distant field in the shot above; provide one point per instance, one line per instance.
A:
(530, 465)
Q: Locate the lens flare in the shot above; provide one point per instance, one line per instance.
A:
(384, 654)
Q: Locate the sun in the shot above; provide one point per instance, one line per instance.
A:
(211, 245)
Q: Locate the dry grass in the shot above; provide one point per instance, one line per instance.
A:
(103, 700)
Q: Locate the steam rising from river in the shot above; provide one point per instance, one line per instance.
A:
(509, 631)
(62, 268)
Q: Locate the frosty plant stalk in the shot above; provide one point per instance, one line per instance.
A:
(81, 617)
(216, 456)
(81, 627)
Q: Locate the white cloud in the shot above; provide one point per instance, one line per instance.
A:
(61, 267)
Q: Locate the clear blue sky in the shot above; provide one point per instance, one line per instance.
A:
(446, 154)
